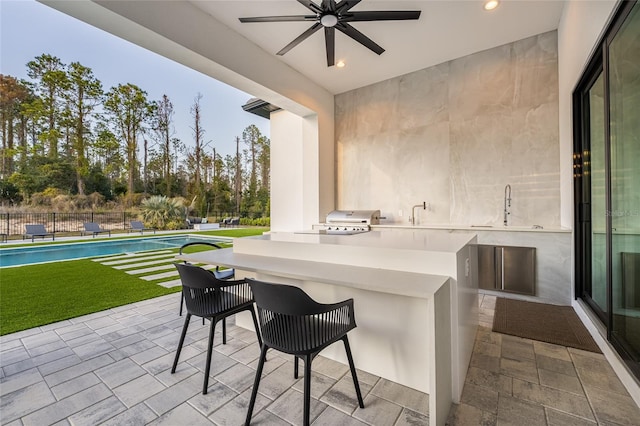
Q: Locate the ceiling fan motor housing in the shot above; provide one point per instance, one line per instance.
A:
(329, 20)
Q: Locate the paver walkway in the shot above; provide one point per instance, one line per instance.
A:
(148, 266)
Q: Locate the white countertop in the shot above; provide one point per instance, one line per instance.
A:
(401, 283)
(474, 228)
(388, 238)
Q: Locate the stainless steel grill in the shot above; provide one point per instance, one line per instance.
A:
(349, 222)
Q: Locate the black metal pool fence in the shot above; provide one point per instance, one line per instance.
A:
(14, 223)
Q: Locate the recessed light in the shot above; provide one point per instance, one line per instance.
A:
(340, 64)
(491, 4)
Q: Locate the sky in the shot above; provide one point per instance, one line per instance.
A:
(29, 29)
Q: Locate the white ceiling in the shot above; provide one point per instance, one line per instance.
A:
(447, 29)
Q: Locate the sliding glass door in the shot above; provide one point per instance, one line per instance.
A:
(596, 176)
(607, 183)
(624, 122)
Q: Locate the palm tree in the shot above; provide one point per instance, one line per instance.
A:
(158, 211)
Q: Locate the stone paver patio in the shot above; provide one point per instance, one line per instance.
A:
(113, 368)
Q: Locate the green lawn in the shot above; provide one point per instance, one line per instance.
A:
(35, 295)
(240, 232)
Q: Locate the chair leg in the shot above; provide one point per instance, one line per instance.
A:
(255, 324)
(295, 367)
(207, 368)
(224, 330)
(347, 348)
(307, 389)
(256, 383)
(181, 302)
(184, 333)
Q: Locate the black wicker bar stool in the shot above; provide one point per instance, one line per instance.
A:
(208, 297)
(294, 323)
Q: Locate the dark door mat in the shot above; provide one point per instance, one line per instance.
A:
(555, 324)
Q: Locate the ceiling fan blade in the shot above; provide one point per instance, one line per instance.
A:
(311, 6)
(359, 37)
(345, 5)
(329, 5)
(330, 42)
(391, 15)
(279, 18)
(315, 27)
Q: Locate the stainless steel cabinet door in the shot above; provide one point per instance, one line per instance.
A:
(507, 268)
(487, 267)
(519, 269)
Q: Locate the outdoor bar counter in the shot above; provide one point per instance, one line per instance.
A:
(414, 295)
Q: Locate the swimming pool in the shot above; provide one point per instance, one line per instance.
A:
(51, 253)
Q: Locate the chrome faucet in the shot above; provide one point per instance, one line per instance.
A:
(412, 219)
(507, 203)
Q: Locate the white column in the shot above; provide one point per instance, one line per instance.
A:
(302, 170)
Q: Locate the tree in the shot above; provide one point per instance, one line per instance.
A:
(12, 95)
(264, 161)
(27, 126)
(84, 94)
(238, 176)
(108, 156)
(98, 182)
(197, 160)
(155, 174)
(51, 83)
(57, 173)
(61, 134)
(26, 183)
(30, 126)
(258, 158)
(163, 127)
(198, 136)
(219, 185)
(251, 138)
(129, 109)
(9, 193)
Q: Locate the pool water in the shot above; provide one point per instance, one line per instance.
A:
(51, 253)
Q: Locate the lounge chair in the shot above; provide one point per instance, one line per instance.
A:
(137, 225)
(225, 222)
(94, 229)
(234, 222)
(37, 230)
(3, 238)
(190, 221)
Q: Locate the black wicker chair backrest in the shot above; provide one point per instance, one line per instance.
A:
(221, 275)
(294, 323)
(205, 295)
(197, 243)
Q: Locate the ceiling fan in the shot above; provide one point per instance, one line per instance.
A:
(336, 16)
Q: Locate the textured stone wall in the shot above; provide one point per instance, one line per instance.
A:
(454, 135)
